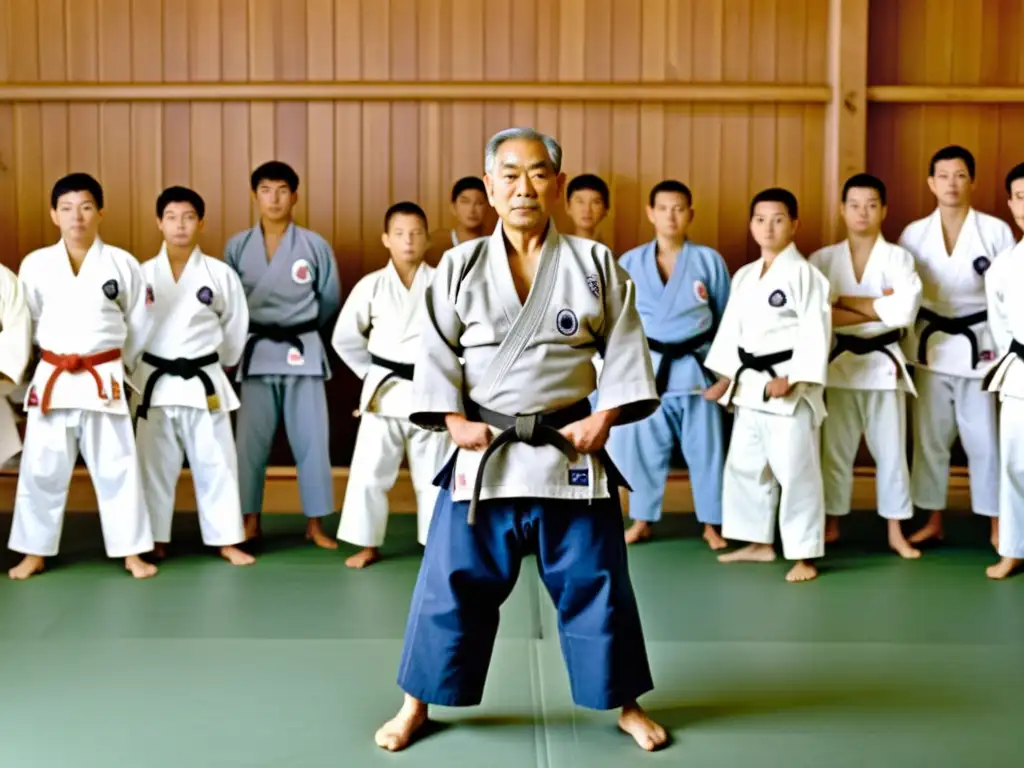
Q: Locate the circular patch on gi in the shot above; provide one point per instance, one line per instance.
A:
(295, 357)
(302, 273)
(777, 299)
(205, 295)
(110, 289)
(700, 291)
(981, 264)
(566, 322)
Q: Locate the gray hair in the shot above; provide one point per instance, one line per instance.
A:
(528, 134)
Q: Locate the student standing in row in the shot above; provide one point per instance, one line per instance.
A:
(378, 336)
(291, 285)
(681, 293)
(875, 295)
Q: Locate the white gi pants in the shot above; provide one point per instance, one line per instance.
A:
(881, 417)
(945, 406)
(381, 442)
(1011, 478)
(107, 444)
(767, 451)
(165, 437)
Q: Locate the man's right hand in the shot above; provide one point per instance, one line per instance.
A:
(716, 390)
(466, 434)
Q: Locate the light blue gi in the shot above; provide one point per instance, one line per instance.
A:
(299, 286)
(691, 303)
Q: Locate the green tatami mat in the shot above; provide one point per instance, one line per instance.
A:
(291, 663)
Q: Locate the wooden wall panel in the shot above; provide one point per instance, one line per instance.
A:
(355, 158)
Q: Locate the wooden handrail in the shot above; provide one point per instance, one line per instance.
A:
(944, 94)
(745, 93)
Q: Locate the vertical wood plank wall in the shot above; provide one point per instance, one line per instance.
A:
(356, 157)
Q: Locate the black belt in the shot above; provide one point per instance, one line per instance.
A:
(860, 345)
(761, 364)
(183, 368)
(952, 326)
(401, 370)
(675, 350)
(535, 429)
(288, 333)
(1016, 349)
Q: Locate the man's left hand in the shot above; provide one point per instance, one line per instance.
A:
(590, 434)
(778, 387)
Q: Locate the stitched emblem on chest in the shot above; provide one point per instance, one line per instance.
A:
(777, 299)
(301, 272)
(594, 285)
(567, 322)
(110, 289)
(981, 264)
(205, 295)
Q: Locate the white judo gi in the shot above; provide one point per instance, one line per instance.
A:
(868, 378)
(1004, 288)
(776, 324)
(950, 362)
(199, 324)
(378, 336)
(90, 328)
(15, 353)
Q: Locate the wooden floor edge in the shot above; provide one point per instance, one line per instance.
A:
(282, 494)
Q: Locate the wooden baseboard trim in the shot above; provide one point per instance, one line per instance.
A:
(282, 494)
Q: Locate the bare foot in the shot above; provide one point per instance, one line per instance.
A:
(235, 556)
(932, 530)
(159, 551)
(315, 533)
(802, 571)
(714, 538)
(752, 553)
(364, 557)
(1003, 568)
(139, 568)
(397, 733)
(899, 543)
(647, 733)
(253, 529)
(994, 537)
(28, 567)
(832, 530)
(638, 531)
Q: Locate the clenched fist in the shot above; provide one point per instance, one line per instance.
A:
(466, 434)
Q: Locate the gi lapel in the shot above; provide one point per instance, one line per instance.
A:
(649, 275)
(525, 318)
(411, 299)
(254, 259)
(675, 280)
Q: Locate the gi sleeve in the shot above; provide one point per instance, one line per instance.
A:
(814, 331)
(1004, 237)
(627, 375)
(233, 251)
(328, 284)
(234, 320)
(899, 309)
(15, 327)
(352, 331)
(998, 319)
(438, 379)
(723, 357)
(136, 314)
